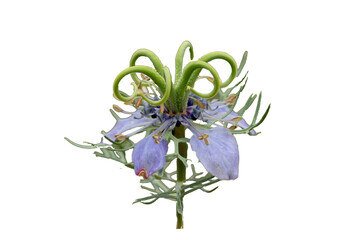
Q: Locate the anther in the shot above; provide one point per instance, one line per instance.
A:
(147, 78)
(206, 141)
(139, 102)
(237, 119)
(231, 99)
(199, 104)
(161, 108)
(210, 79)
(205, 138)
(233, 127)
(117, 108)
(156, 137)
(120, 137)
(128, 102)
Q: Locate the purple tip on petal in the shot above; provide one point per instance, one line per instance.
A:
(142, 173)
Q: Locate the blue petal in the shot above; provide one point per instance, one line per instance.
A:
(124, 124)
(149, 156)
(220, 157)
(219, 110)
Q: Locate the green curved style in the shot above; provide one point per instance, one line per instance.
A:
(174, 95)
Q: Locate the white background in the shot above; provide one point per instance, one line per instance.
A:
(58, 60)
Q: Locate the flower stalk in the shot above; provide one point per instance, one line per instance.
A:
(179, 132)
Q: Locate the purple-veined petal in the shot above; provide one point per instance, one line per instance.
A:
(124, 124)
(221, 156)
(219, 109)
(149, 153)
(149, 156)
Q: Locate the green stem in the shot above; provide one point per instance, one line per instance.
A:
(179, 132)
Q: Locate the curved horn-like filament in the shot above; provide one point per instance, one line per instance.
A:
(186, 82)
(153, 58)
(164, 85)
(180, 56)
(225, 56)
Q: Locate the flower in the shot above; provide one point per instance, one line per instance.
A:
(216, 148)
(164, 110)
(163, 104)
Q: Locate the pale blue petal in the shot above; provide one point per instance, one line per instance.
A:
(221, 156)
(149, 156)
(124, 124)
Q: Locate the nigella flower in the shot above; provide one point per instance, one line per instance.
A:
(164, 110)
(162, 105)
(216, 148)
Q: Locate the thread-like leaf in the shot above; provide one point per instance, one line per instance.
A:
(209, 191)
(262, 119)
(247, 105)
(111, 154)
(80, 145)
(243, 62)
(257, 109)
(228, 91)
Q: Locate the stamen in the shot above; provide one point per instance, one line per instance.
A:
(120, 137)
(206, 141)
(192, 127)
(237, 119)
(117, 108)
(140, 92)
(205, 138)
(130, 101)
(152, 89)
(147, 78)
(233, 127)
(168, 128)
(222, 121)
(138, 130)
(199, 103)
(161, 108)
(142, 173)
(139, 102)
(162, 130)
(231, 99)
(157, 137)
